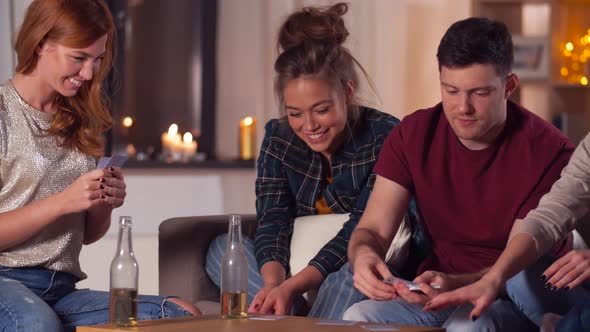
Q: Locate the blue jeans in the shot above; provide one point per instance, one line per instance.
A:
(528, 292)
(336, 294)
(577, 319)
(501, 316)
(37, 299)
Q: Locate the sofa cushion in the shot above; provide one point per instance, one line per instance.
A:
(311, 233)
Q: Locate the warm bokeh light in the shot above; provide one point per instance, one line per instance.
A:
(569, 46)
(584, 80)
(563, 71)
(187, 137)
(173, 129)
(567, 53)
(127, 122)
(248, 121)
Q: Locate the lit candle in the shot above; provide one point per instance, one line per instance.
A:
(189, 147)
(171, 144)
(247, 138)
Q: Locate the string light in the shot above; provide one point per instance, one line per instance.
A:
(576, 53)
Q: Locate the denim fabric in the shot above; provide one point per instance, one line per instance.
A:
(336, 294)
(528, 292)
(577, 319)
(501, 316)
(37, 299)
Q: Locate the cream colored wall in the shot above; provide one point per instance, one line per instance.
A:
(394, 40)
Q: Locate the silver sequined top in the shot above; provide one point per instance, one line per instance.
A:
(32, 167)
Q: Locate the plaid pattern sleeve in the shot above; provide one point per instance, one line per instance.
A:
(291, 179)
(274, 205)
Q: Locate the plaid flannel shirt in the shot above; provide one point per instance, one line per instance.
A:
(291, 179)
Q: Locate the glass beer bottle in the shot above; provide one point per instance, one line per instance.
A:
(234, 272)
(124, 280)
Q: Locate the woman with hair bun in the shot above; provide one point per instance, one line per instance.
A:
(317, 158)
(52, 199)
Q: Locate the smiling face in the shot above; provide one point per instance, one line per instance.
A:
(63, 70)
(474, 102)
(317, 113)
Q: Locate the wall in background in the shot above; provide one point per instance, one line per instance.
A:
(395, 41)
(390, 38)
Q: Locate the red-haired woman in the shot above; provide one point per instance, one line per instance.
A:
(52, 199)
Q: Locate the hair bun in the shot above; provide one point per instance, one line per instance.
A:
(314, 24)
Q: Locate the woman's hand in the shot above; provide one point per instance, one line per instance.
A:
(113, 188)
(258, 300)
(95, 188)
(481, 294)
(278, 301)
(85, 192)
(568, 271)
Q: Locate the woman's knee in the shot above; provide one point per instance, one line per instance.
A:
(214, 253)
(33, 315)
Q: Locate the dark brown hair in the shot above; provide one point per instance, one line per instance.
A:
(82, 119)
(310, 44)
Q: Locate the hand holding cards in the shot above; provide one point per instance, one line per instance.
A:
(113, 161)
(411, 285)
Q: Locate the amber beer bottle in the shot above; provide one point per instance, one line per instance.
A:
(124, 280)
(234, 272)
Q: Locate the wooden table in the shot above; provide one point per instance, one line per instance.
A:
(216, 323)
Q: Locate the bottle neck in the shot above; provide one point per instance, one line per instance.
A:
(234, 238)
(124, 246)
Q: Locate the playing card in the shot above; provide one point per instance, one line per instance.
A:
(268, 317)
(335, 322)
(102, 163)
(411, 285)
(379, 328)
(113, 161)
(117, 161)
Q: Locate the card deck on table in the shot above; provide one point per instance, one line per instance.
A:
(335, 322)
(268, 317)
(113, 161)
(411, 285)
(379, 328)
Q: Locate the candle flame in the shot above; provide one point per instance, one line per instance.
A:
(173, 130)
(187, 138)
(127, 122)
(248, 121)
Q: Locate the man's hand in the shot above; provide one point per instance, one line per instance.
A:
(369, 270)
(446, 282)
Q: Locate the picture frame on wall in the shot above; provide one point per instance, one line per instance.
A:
(531, 57)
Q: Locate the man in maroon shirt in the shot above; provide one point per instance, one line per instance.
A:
(476, 164)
